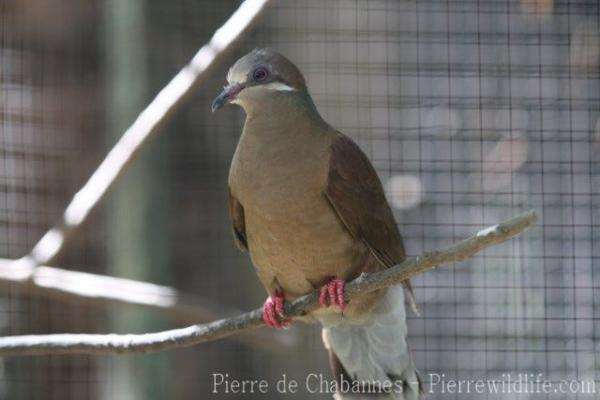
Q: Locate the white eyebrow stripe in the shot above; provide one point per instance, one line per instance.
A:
(282, 87)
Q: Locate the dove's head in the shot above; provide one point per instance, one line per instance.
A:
(260, 76)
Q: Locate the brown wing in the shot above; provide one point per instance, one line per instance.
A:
(356, 194)
(238, 226)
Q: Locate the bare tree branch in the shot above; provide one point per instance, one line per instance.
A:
(160, 341)
(101, 290)
(148, 123)
(30, 271)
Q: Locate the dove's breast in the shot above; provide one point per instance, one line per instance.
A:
(295, 238)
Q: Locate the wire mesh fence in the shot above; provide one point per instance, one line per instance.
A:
(471, 111)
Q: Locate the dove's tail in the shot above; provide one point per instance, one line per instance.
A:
(375, 355)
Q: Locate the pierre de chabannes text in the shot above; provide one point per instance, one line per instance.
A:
(519, 383)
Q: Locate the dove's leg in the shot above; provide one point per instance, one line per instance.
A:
(332, 293)
(273, 311)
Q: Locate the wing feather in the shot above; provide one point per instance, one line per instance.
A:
(238, 225)
(356, 194)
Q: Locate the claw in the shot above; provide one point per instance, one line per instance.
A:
(333, 294)
(273, 311)
(269, 314)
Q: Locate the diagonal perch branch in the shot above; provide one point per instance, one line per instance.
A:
(160, 341)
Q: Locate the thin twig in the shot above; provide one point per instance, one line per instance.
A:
(151, 119)
(160, 341)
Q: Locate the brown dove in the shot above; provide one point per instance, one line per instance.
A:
(308, 206)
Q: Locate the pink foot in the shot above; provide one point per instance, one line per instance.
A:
(333, 294)
(273, 313)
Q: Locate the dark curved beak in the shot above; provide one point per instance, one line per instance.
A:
(226, 96)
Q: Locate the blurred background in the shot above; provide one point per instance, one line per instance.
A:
(471, 110)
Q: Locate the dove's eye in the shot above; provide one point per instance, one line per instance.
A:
(260, 74)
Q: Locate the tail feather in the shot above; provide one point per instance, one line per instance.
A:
(377, 351)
